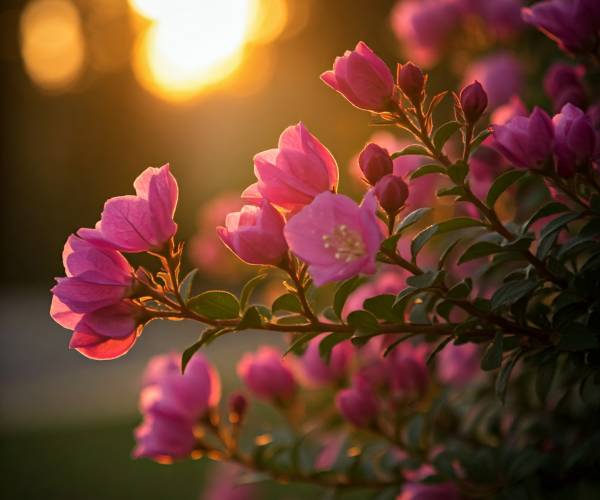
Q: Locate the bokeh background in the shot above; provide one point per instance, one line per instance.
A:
(93, 92)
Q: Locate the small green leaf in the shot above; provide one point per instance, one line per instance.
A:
(502, 183)
(185, 287)
(413, 149)
(205, 337)
(425, 280)
(511, 292)
(381, 306)
(560, 222)
(329, 342)
(482, 136)
(287, 302)
(363, 322)
(437, 349)
(444, 133)
(297, 346)
(343, 291)
(249, 288)
(250, 319)
(451, 191)
(430, 168)
(389, 244)
(492, 357)
(504, 374)
(215, 304)
(548, 209)
(478, 250)
(441, 228)
(458, 171)
(412, 218)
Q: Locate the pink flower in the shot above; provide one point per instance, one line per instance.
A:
(294, 173)
(458, 365)
(502, 114)
(362, 78)
(267, 374)
(503, 17)
(375, 162)
(317, 371)
(575, 139)
(169, 392)
(164, 438)
(172, 404)
(408, 375)
(527, 142)
(391, 192)
(255, 234)
(501, 76)
(336, 237)
(142, 222)
(563, 84)
(424, 491)
(473, 101)
(358, 404)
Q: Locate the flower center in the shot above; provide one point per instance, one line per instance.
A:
(347, 244)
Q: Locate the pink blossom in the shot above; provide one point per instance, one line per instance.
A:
(358, 404)
(502, 114)
(317, 371)
(362, 78)
(336, 237)
(408, 376)
(575, 139)
(458, 365)
(374, 162)
(142, 222)
(255, 234)
(563, 83)
(164, 438)
(267, 374)
(294, 173)
(501, 76)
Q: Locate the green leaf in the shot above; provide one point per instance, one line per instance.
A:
(451, 191)
(444, 133)
(363, 322)
(512, 291)
(438, 348)
(430, 168)
(482, 136)
(504, 374)
(381, 306)
(557, 224)
(343, 291)
(458, 171)
(492, 357)
(389, 244)
(250, 319)
(300, 342)
(205, 337)
(412, 218)
(329, 342)
(441, 228)
(249, 288)
(501, 184)
(548, 209)
(215, 304)
(425, 280)
(413, 149)
(478, 250)
(185, 287)
(287, 302)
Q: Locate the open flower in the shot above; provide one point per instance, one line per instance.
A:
(255, 234)
(336, 237)
(291, 175)
(142, 222)
(362, 78)
(575, 139)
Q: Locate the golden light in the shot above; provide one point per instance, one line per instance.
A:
(189, 45)
(52, 43)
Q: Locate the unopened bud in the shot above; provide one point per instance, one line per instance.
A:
(411, 80)
(392, 192)
(375, 162)
(238, 404)
(473, 101)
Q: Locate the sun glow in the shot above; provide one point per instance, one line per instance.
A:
(189, 45)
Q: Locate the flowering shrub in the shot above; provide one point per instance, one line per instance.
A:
(444, 351)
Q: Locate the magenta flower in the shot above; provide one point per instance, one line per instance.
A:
(317, 371)
(164, 438)
(563, 84)
(336, 237)
(255, 234)
(358, 404)
(502, 17)
(572, 24)
(502, 114)
(501, 76)
(527, 142)
(458, 365)
(297, 171)
(142, 222)
(391, 192)
(375, 162)
(408, 376)
(575, 139)
(362, 78)
(267, 374)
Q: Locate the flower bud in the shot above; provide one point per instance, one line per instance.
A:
(392, 192)
(267, 374)
(412, 81)
(473, 101)
(375, 162)
(238, 404)
(358, 404)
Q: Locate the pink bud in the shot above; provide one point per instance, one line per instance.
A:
(473, 101)
(238, 404)
(267, 375)
(358, 404)
(391, 192)
(375, 162)
(362, 78)
(255, 234)
(412, 81)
